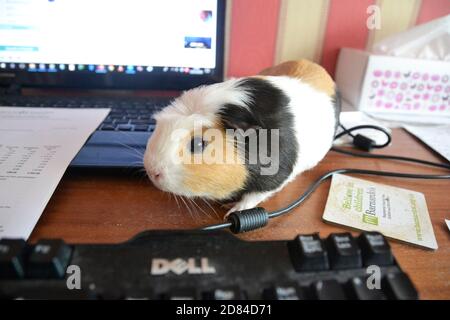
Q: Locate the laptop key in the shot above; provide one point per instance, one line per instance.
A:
(124, 127)
(108, 127)
(141, 127)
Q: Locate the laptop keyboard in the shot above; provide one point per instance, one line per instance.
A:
(127, 114)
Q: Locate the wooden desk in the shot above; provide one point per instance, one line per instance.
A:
(99, 207)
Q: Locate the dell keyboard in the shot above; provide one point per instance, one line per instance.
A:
(127, 114)
(192, 265)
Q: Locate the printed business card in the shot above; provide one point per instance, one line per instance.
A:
(397, 213)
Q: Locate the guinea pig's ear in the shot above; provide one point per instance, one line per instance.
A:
(237, 117)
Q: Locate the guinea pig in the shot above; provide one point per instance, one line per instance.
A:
(289, 112)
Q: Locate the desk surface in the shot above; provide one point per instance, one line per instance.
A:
(99, 207)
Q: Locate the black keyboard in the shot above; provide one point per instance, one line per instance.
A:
(127, 114)
(198, 265)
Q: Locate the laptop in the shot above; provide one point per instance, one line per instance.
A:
(131, 56)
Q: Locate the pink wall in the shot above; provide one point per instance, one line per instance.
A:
(253, 36)
(254, 28)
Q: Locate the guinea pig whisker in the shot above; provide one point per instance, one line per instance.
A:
(131, 138)
(197, 213)
(176, 200)
(135, 150)
(209, 205)
(200, 208)
(187, 207)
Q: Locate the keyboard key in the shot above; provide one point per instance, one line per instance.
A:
(359, 290)
(140, 121)
(49, 259)
(232, 293)
(121, 121)
(141, 127)
(183, 294)
(343, 251)
(398, 286)
(375, 249)
(308, 253)
(108, 127)
(328, 290)
(124, 127)
(291, 292)
(11, 258)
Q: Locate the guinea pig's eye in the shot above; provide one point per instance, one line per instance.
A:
(197, 145)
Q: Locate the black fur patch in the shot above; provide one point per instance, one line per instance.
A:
(267, 110)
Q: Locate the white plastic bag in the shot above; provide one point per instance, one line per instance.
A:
(427, 41)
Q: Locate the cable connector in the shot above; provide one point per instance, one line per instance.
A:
(247, 220)
(363, 143)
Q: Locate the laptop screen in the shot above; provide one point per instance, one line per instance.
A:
(110, 37)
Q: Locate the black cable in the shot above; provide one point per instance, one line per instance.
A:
(254, 218)
(365, 126)
(328, 174)
(389, 157)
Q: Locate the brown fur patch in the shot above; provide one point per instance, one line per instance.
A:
(218, 179)
(307, 71)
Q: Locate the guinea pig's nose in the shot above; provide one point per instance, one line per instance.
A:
(155, 174)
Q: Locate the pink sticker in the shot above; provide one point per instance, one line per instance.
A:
(442, 107)
(435, 77)
(432, 108)
(420, 87)
(399, 97)
(416, 75)
(425, 96)
(445, 79)
(387, 73)
(407, 106)
(403, 86)
(393, 85)
(379, 103)
(447, 89)
(377, 73)
(425, 76)
(380, 92)
(388, 105)
(438, 88)
(416, 105)
(429, 86)
(397, 74)
(416, 96)
(374, 83)
(384, 83)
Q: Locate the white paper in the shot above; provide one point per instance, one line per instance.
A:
(436, 137)
(448, 224)
(36, 147)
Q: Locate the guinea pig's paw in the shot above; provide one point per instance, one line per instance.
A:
(248, 201)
